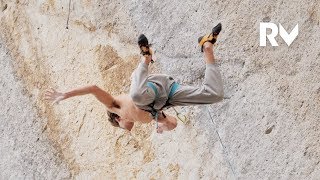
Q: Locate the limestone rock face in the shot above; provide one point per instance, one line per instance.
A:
(267, 127)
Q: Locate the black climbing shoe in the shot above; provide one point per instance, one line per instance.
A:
(212, 37)
(144, 45)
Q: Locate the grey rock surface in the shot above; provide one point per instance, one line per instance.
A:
(268, 122)
(25, 151)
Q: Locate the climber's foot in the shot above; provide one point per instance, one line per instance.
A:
(144, 45)
(212, 37)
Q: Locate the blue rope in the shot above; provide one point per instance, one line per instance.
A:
(156, 117)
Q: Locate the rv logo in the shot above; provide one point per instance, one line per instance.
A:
(288, 38)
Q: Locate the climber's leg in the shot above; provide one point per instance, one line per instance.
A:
(212, 89)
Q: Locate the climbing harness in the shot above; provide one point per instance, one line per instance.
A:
(154, 112)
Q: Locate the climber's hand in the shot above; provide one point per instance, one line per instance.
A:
(160, 130)
(54, 96)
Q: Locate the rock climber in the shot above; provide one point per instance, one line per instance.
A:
(151, 94)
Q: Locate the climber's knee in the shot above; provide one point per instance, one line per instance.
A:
(136, 96)
(142, 98)
(216, 95)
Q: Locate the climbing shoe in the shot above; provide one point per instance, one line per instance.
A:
(144, 45)
(212, 37)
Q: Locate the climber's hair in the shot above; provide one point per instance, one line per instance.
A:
(112, 119)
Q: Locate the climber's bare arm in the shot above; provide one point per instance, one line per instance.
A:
(100, 94)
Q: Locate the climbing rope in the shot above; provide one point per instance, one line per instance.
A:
(67, 27)
(156, 117)
(225, 152)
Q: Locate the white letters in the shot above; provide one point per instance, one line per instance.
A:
(263, 34)
(288, 38)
